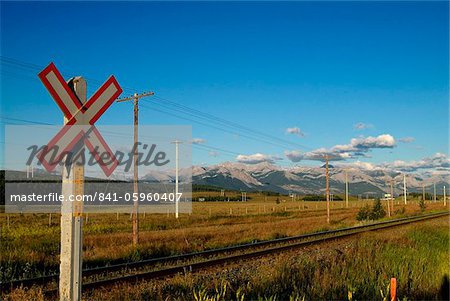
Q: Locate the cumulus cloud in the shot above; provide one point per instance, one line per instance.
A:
(321, 154)
(257, 158)
(407, 139)
(358, 147)
(363, 144)
(294, 156)
(198, 141)
(362, 126)
(316, 155)
(382, 141)
(295, 131)
(437, 161)
(360, 165)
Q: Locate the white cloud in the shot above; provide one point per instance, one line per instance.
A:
(364, 144)
(257, 158)
(360, 165)
(321, 154)
(198, 141)
(358, 147)
(437, 161)
(295, 131)
(294, 156)
(407, 139)
(382, 141)
(316, 155)
(362, 126)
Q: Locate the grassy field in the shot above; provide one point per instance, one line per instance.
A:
(348, 269)
(30, 242)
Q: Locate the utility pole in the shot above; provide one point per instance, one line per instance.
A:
(434, 192)
(423, 192)
(176, 142)
(389, 204)
(346, 189)
(445, 198)
(404, 187)
(327, 189)
(392, 195)
(30, 170)
(135, 98)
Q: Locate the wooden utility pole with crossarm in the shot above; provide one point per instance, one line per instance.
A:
(135, 219)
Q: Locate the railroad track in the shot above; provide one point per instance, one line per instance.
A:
(207, 258)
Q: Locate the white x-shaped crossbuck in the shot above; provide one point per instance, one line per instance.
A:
(79, 127)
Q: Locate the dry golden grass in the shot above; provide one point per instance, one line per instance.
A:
(347, 269)
(30, 247)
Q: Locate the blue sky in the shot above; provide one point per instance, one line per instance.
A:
(321, 67)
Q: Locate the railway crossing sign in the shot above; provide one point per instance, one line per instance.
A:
(78, 131)
(81, 117)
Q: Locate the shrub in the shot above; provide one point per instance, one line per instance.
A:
(363, 213)
(422, 205)
(377, 211)
(366, 213)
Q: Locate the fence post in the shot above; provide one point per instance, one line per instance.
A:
(393, 289)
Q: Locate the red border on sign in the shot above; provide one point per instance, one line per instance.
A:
(50, 166)
(43, 76)
(115, 162)
(111, 81)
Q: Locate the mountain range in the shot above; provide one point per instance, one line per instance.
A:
(296, 179)
(311, 180)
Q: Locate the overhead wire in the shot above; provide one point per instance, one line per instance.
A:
(206, 118)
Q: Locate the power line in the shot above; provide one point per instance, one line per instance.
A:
(275, 141)
(229, 123)
(117, 134)
(215, 127)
